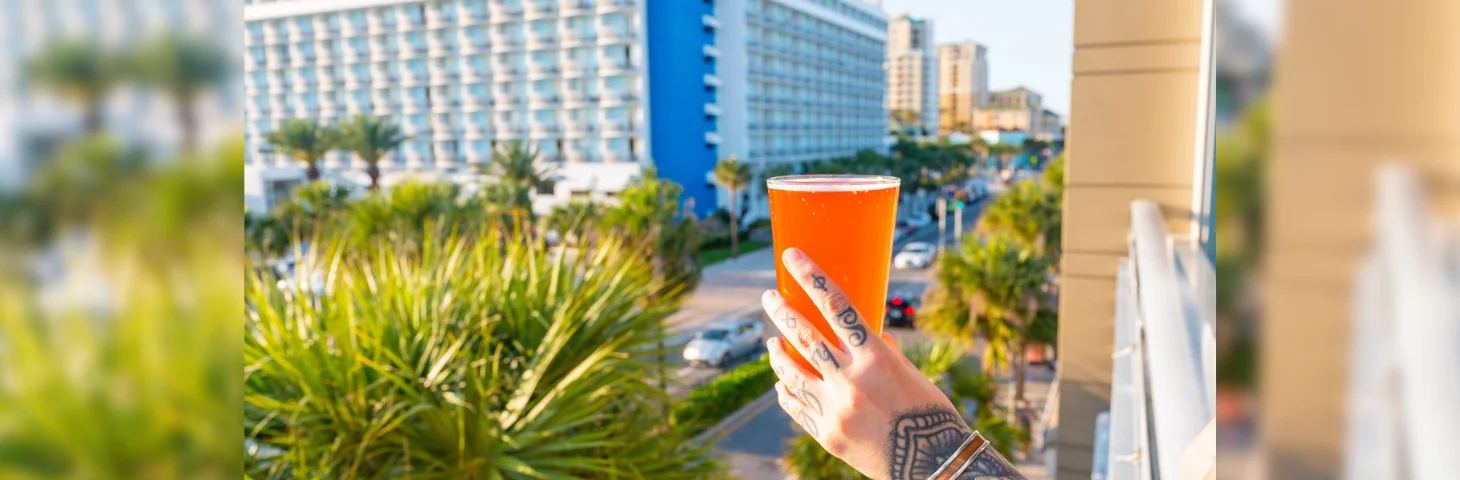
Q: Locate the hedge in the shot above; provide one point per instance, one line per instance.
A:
(707, 405)
(721, 241)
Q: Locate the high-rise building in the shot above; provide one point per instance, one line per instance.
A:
(912, 73)
(1019, 109)
(963, 85)
(602, 88)
(802, 80)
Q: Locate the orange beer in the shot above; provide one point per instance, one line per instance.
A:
(844, 223)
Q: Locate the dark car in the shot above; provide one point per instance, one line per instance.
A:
(901, 310)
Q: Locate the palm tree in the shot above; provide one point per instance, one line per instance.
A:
(991, 289)
(184, 66)
(734, 176)
(514, 164)
(1029, 213)
(80, 70)
(306, 141)
(371, 139)
(1002, 152)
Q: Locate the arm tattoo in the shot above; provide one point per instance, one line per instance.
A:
(989, 465)
(824, 354)
(847, 318)
(819, 282)
(806, 422)
(807, 397)
(921, 440)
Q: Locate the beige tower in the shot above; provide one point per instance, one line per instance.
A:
(963, 85)
(912, 74)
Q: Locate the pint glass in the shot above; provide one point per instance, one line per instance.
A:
(844, 223)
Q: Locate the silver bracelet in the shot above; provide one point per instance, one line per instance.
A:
(961, 458)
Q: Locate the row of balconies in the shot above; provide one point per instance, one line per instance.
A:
(497, 13)
(435, 76)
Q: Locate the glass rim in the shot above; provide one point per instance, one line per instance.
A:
(832, 182)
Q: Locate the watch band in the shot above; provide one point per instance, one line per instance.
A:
(961, 458)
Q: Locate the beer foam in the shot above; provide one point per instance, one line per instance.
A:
(832, 183)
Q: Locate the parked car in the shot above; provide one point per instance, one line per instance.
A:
(919, 220)
(915, 255)
(724, 341)
(901, 310)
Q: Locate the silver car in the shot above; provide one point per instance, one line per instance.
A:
(725, 341)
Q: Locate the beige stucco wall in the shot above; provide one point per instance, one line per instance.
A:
(1132, 125)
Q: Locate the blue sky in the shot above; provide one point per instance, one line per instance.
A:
(1029, 41)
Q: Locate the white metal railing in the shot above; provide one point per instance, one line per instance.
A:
(1403, 389)
(1163, 384)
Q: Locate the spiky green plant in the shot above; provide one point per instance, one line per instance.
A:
(136, 373)
(456, 357)
(406, 211)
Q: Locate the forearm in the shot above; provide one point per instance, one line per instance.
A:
(923, 440)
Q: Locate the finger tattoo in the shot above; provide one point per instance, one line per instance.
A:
(823, 353)
(806, 396)
(806, 423)
(847, 318)
(819, 282)
(790, 321)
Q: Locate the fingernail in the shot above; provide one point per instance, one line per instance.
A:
(771, 342)
(793, 255)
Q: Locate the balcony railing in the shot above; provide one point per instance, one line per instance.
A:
(1404, 326)
(1163, 388)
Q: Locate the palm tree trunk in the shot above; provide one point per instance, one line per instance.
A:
(91, 119)
(311, 170)
(188, 122)
(734, 228)
(372, 169)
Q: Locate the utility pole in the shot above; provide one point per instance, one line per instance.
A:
(958, 222)
(942, 222)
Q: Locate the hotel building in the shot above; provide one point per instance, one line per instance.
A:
(601, 88)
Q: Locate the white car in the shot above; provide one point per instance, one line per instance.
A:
(915, 255)
(724, 341)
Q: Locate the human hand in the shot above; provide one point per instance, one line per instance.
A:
(871, 407)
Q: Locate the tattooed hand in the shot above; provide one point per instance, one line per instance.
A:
(870, 407)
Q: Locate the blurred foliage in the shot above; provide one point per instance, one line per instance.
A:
(999, 283)
(944, 364)
(1029, 213)
(121, 351)
(461, 356)
(708, 404)
(184, 66)
(83, 71)
(1240, 157)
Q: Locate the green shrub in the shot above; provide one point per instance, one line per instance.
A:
(707, 405)
(462, 357)
(721, 241)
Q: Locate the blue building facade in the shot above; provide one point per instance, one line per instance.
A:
(678, 65)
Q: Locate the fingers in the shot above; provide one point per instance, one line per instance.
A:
(891, 341)
(797, 410)
(799, 381)
(825, 356)
(834, 304)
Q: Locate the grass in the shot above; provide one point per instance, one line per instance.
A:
(716, 255)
